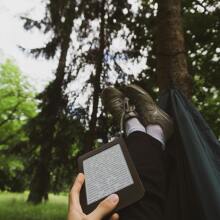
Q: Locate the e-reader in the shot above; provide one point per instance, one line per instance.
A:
(109, 169)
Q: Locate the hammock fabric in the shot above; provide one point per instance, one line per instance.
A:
(193, 156)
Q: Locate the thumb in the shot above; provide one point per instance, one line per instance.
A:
(104, 207)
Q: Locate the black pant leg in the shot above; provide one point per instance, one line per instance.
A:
(149, 160)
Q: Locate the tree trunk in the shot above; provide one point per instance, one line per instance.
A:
(170, 48)
(41, 180)
(91, 135)
(53, 100)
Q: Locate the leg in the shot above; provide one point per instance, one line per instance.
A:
(145, 146)
(148, 158)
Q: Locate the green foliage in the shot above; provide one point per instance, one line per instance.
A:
(207, 101)
(14, 206)
(17, 103)
(16, 107)
(201, 26)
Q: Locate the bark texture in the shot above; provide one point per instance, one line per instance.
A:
(170, 48)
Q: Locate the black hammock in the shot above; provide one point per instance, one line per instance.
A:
(193, 155)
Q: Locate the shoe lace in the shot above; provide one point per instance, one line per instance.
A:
(126, 109)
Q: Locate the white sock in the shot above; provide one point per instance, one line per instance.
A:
(156, 132)
(132, 125)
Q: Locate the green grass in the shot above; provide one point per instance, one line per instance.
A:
(13, 206)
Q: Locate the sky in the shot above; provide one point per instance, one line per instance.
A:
(12, 34)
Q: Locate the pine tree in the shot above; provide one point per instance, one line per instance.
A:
(59, 19)
(110, 16)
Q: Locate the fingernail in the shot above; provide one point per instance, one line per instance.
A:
(114, 198)
(80, 175)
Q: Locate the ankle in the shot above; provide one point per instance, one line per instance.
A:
(156, 131)
(132, 125)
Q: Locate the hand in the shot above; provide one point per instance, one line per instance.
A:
(75, 210)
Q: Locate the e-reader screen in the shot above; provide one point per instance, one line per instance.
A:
(106, 172)
(109, 169)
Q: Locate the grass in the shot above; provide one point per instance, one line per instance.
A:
(13, 206)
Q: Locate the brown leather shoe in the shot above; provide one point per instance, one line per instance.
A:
(118, 105)
(148, 111)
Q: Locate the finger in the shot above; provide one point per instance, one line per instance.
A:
(105, 207)
(115, 216)
(75, 191)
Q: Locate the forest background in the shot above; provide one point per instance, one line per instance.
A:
(98, 43)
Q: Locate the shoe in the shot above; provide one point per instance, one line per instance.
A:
(118, 106)
(148, 111)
